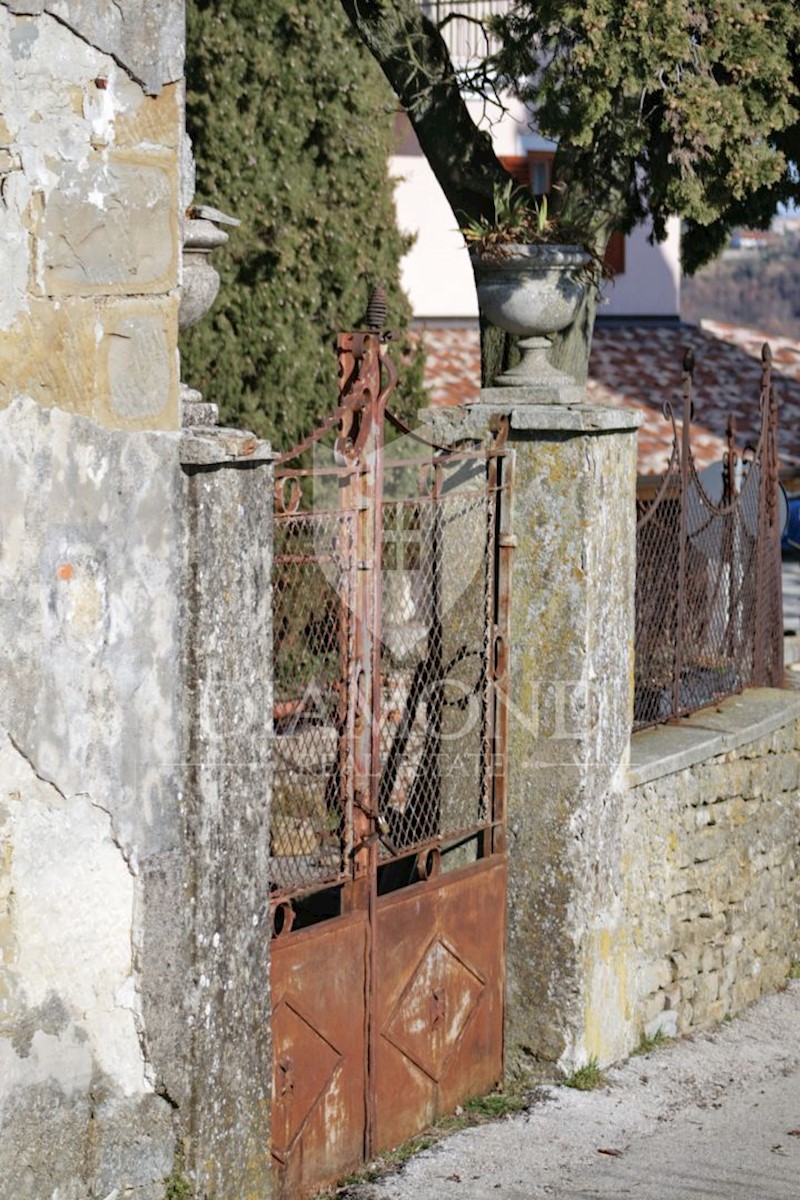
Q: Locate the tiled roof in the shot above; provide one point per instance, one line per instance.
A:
(640, 366)
(452, 363)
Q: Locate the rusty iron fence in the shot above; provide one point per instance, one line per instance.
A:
(708, 580)
(385, 662)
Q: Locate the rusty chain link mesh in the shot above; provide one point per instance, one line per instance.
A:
(438, 553)
(708, 596)
(432, 783)
(312, 613)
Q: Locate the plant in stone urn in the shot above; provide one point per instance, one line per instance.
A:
(531, 275)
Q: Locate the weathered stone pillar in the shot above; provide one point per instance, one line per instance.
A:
(227, 774)
(572, 611)
(135, 654)
(134, 803)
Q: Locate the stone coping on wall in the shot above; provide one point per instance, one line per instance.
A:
(722, 727)
(207, 445)
(566, 418)
(474, 419)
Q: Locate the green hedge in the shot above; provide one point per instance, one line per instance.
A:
(291, 124)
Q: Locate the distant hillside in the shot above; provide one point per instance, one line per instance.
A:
(760, 289)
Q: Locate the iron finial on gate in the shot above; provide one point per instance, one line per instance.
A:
(688, 361)
(376, 310)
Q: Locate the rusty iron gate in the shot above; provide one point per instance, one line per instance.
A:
(388, 869)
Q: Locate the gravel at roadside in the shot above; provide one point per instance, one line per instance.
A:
(712, 1117)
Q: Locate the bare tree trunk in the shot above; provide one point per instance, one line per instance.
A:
(413, 56)
(571, 348)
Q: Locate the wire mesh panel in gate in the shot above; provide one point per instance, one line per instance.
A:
(437, 590)
(312, 613)
(385, 584)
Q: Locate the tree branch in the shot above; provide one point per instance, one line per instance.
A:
(413, 56)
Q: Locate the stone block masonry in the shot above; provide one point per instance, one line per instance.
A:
(711, 870)
(95, 175)
(654, 882)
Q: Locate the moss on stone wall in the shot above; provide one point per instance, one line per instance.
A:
(292, 124)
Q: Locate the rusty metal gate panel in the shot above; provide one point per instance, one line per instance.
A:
(439, 1007)
(319, 1052)
(388, 833)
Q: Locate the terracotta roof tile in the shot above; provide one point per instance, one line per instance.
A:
(640, 366)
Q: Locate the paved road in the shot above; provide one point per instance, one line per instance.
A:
(707, 1118)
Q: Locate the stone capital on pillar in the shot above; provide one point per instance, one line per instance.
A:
(475, 420)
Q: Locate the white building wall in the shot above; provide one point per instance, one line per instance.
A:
(436, 273)
(651, 284)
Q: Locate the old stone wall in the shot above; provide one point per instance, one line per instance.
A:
(135, 650)
(711, 864)
(95, 175)
(227, 723)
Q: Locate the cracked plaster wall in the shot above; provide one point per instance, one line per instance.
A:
(78, 1111)
(94, 176)
(134, 803)
(91, 561)
(135, 647)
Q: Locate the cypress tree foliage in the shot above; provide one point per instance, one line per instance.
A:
(291, 124)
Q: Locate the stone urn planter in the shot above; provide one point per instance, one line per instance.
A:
(533, 291)
(201, 235)
(200, 279)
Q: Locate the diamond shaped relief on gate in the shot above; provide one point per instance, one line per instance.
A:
(432, 1012)
(298, 1085)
